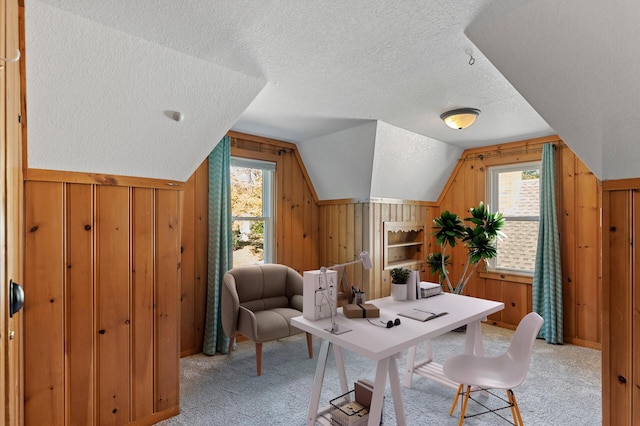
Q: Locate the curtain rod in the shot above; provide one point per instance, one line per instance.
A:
(538, 148)
(259, 146)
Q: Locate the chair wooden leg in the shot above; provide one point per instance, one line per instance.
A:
(455, 400)
(515, 410)
(464, 405)
(310, 344)
(231, 341)
(259, 358)
(512, 407)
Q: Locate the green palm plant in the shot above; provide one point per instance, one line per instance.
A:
(479, 240)
(437, 265)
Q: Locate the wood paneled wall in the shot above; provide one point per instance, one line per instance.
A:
(194, 248)
(297, 224)
(348, 227)
(297, 218)
(579, 209)
(343, 234)
(621, 303)
(466, 188)
(102, 275)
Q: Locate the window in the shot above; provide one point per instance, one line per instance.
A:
(515, 192)
(252, 211)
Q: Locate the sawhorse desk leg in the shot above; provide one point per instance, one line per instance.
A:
(323, 355)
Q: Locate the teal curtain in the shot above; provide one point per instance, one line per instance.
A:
(547, 274)
(220, 249)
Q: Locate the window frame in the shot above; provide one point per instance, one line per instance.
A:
(493, 173)
(268, 208)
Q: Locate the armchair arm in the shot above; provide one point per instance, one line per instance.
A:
(247, 324)
(229, 305)
(295, 287)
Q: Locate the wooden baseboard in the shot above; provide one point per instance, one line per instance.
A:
(156, 417)
(193, 351)
(190, 352)
(584, 343)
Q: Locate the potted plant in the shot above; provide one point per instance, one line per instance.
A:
(479, 240)
(399, 278)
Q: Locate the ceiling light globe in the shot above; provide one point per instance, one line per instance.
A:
(461, 118)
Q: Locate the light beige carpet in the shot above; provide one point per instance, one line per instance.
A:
(563, 386)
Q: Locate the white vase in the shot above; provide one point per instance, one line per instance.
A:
(398, 291)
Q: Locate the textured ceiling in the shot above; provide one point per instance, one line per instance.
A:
(99, 100)
(332, 64)
(304, 71)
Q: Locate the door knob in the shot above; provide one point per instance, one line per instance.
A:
(16, 298)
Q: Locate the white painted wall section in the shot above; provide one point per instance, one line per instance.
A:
(97, 100)
(575, 62)
(409, 166)
(340, 164)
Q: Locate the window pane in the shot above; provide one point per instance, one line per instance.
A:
(518, 250)
(246, 192)
(519, 193)
(515, 192)
(251, 211)
(248, 242)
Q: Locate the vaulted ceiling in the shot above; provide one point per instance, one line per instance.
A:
(358, 85)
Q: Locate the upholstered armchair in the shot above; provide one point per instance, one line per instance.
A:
(258, 301)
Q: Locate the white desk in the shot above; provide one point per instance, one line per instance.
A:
(384, 345)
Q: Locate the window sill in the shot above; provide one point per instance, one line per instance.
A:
(507, 276)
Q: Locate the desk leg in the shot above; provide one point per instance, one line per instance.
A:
(337, 353)
(411, 362)
(411, 365)
(314, 402)
(378, 392)
(473, 344)
(396, 392)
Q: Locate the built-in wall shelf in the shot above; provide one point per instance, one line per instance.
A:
(403, 244)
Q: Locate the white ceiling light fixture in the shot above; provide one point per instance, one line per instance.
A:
(460, 118)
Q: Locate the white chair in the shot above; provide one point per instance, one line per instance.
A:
(506, 371)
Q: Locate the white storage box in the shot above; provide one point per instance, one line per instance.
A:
(319, 294)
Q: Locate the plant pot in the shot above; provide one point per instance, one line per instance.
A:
(398, 291)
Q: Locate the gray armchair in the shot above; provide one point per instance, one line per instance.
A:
(258, 301)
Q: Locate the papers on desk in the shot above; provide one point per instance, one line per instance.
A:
(419, 315)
